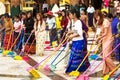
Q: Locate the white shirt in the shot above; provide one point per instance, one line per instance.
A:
(45, 5)
(50, 22)
(90, 10)
(77, 28)
(17, 25)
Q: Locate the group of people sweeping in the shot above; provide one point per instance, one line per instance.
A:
(67, 25)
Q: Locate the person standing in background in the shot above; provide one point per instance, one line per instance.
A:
(64, 23)
(90, 11)
(17, 31)
(84, 17)
(39, 29)
(29, 26)
(83, 7)
(45, 7)
(52, 28)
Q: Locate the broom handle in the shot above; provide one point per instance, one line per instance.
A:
(114, 70)
(15, 40)
(117, 76)
(85, 59)
(104, 59)
(61, 59)
(49, 54)
(9, 40)
(58, 55)
(21, 39)
(92, 41)
(98, 55)
(27, 41)
(48, 59)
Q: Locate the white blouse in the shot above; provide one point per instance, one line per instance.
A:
(77, 28)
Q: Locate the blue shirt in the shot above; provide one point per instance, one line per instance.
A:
(114, 25)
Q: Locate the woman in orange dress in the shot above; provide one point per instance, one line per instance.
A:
(106, 37)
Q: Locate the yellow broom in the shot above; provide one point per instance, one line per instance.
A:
(35, 72)
(106, 77)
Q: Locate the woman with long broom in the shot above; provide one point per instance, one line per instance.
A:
(106, 37)
(78, 43)
(39, 29)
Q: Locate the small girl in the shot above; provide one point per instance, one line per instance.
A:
(17, 30)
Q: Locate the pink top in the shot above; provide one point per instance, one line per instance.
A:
(16, 26)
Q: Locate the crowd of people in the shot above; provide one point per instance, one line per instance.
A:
(72, 24)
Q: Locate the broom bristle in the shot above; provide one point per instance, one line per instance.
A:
(106, 77)
(34, 73)
(74, 73)
(17, 58)
(47, 68)
(83, 77)
(53, 67)
(5, 52)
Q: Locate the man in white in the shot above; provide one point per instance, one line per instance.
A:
(90, 11)
(45, 6)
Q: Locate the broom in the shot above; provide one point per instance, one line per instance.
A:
(53, 67)
(47, 67)
(94, 56)
(98, 55)
(76, 72)
(18, 57)
(5, 52)
(18, 45)
(86, 77)
(107, 77)
(11, 52)
(33, 70)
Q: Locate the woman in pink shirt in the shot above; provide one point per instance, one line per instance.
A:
(17, 30)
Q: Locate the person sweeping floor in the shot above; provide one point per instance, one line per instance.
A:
(78, 44)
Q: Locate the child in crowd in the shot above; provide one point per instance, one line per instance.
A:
(17, 31)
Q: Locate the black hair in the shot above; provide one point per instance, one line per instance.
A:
(109, 15)
(7, 15)
(64, 12)
(17, 16)
(76, 12)
(23, 13)
(2, 15)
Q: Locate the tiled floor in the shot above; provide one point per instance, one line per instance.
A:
(11, 69)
